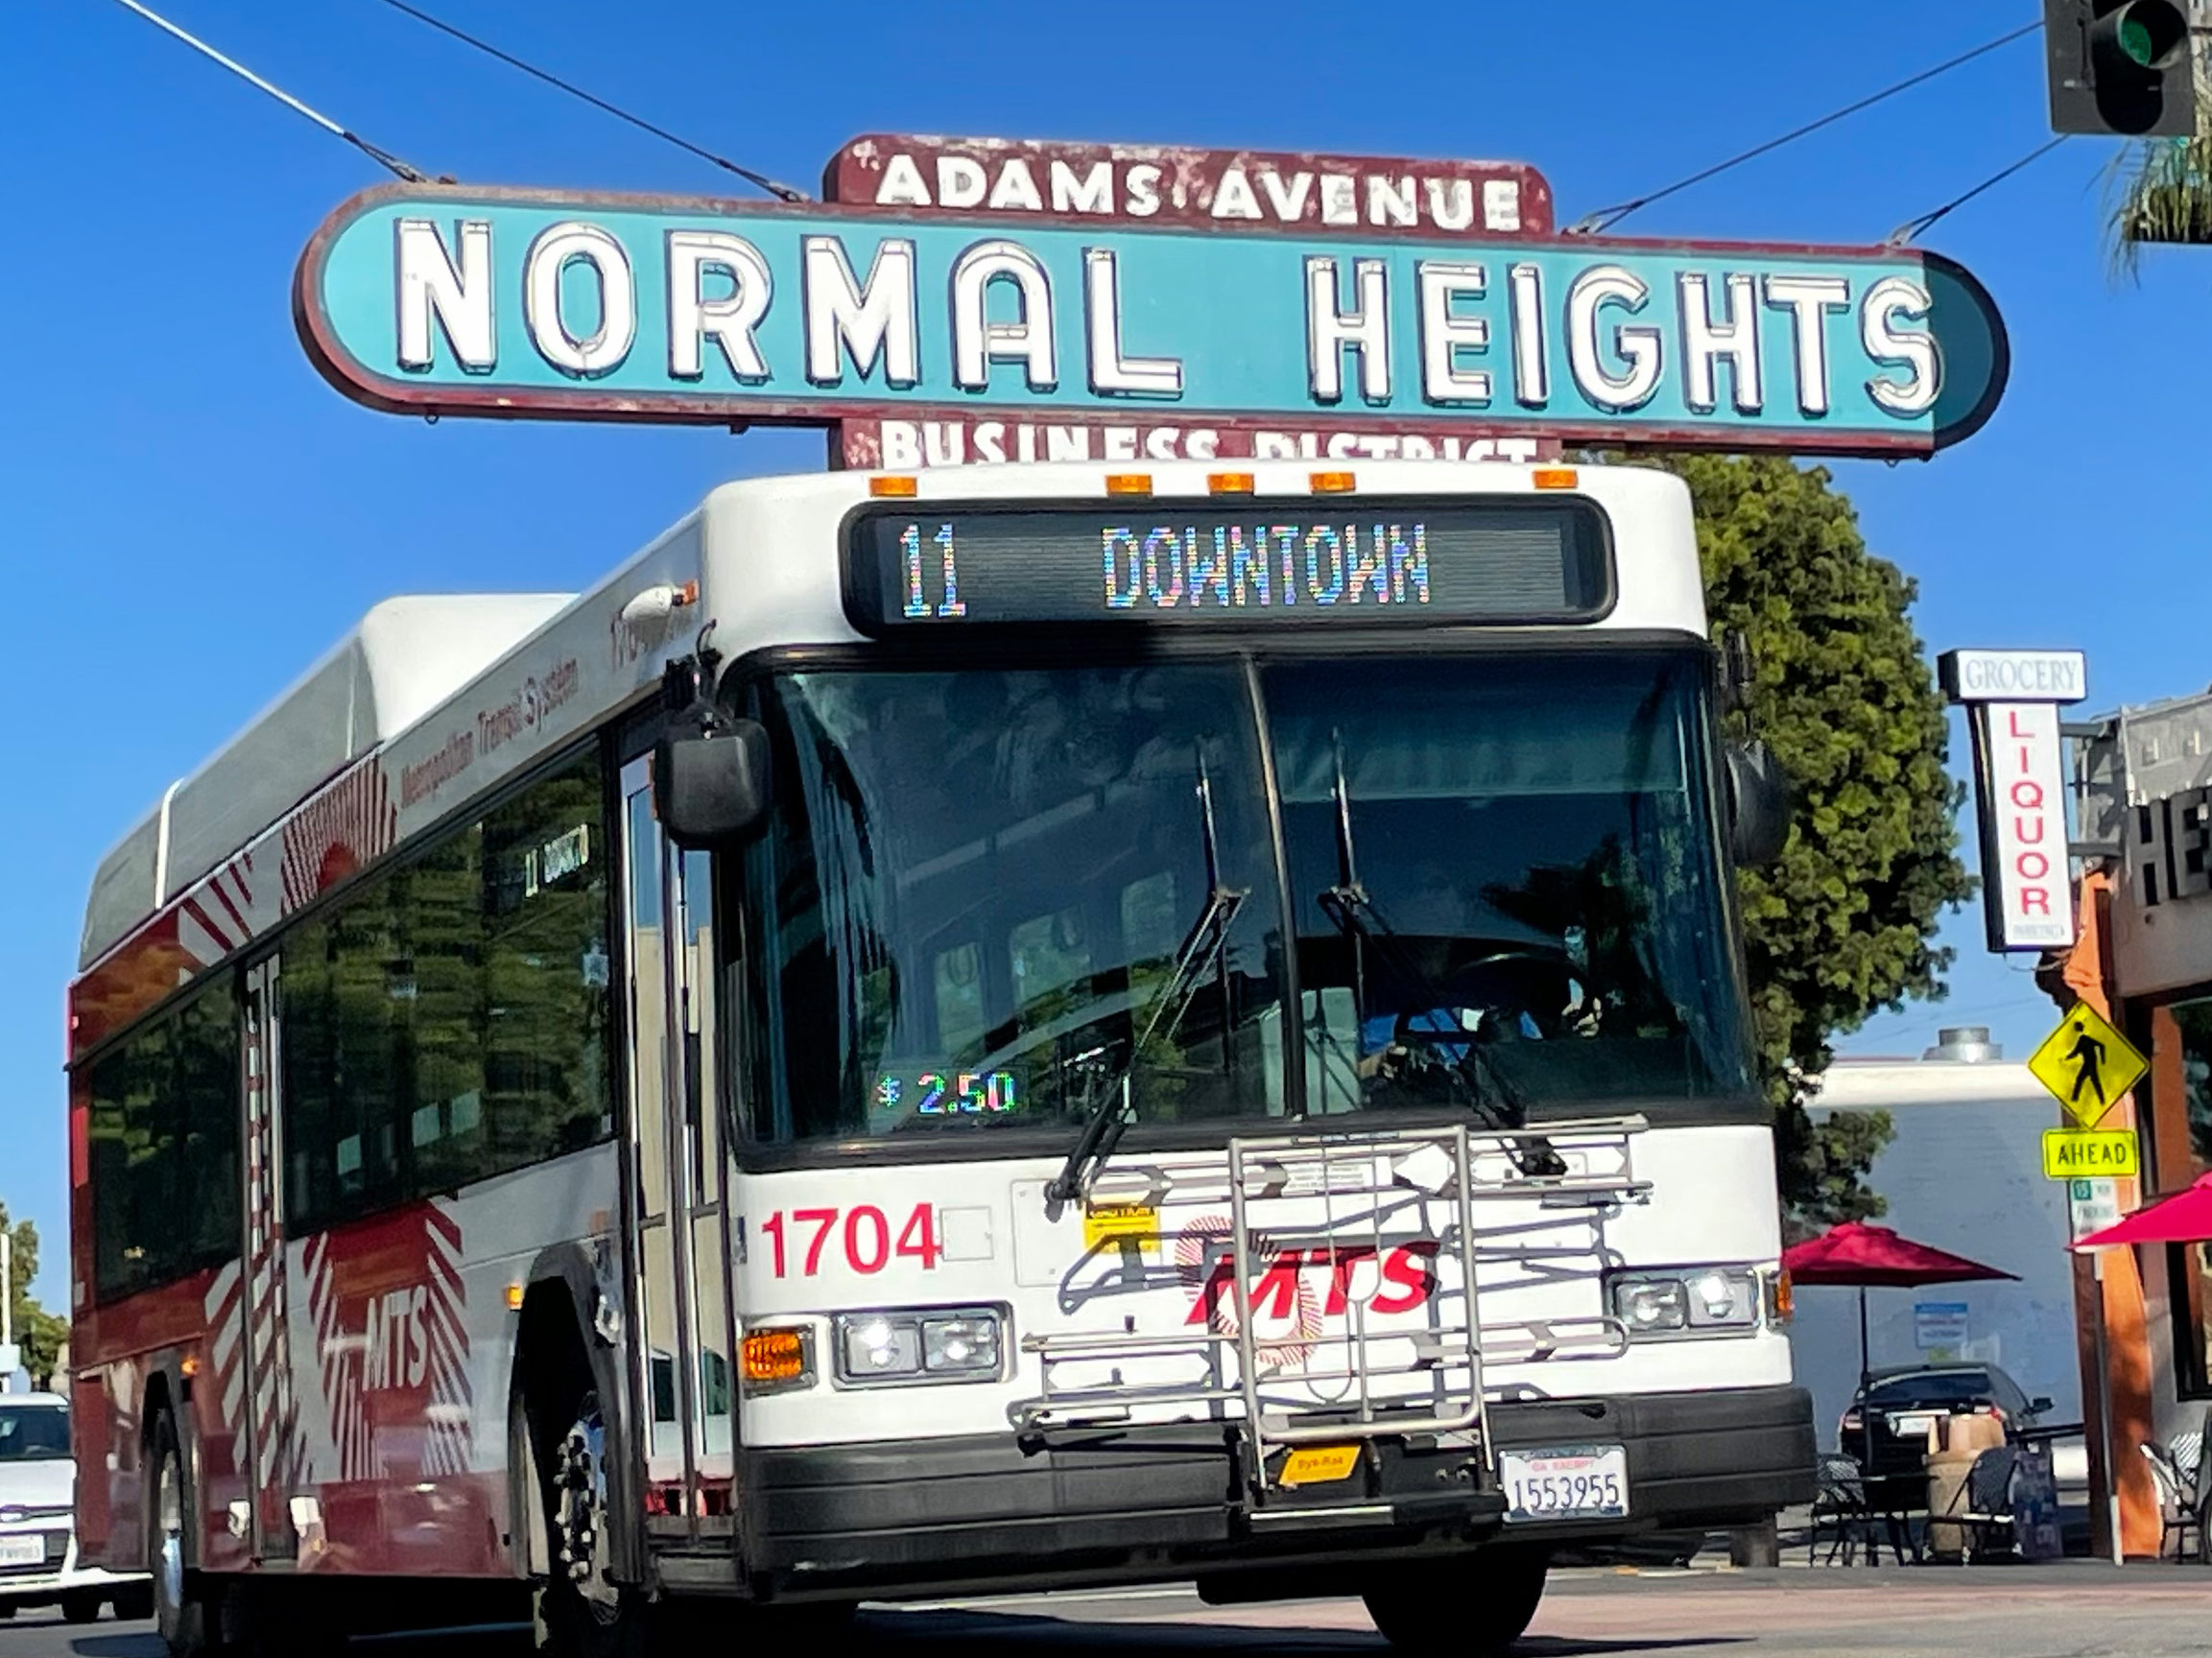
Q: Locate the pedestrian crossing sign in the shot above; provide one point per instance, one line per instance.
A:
(2087, 1065)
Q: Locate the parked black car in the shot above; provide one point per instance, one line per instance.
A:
(1904, 1401)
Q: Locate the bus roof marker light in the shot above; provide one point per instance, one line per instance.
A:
(898, 488)
(1129, 482)
(1228, 483)
(1554, 478)
(1334, 483)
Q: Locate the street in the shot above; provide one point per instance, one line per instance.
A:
(2076, 1610)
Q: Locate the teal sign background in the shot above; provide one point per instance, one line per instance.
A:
(1230, 305)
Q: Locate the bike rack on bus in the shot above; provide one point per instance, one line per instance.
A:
(1398, 1178)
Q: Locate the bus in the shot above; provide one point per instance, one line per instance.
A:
(995, 1029)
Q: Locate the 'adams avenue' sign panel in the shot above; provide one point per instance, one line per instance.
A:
(462, 301)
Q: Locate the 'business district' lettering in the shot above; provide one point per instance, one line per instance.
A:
(1619, 335)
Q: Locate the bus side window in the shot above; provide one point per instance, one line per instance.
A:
(164, 1145)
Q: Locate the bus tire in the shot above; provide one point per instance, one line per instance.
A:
(134, 1602)
(179, 1610)
(1474, 1608)
(578, 1611)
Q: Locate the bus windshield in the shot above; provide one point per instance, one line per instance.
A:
(992, 898)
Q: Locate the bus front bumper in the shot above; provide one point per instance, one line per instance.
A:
(976, 1514)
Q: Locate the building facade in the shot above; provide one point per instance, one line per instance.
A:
(1964, 1174)
(2143, 790)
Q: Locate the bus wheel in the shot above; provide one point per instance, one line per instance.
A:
(180, 1615)
(1477, 1608)
(582, 1613)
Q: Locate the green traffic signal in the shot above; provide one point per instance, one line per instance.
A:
(2149, 34)
(2120, 66)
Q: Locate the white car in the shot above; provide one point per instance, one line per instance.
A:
(39, 1521)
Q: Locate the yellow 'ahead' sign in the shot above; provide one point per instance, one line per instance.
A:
(2087, 1065)
(2089, 1155)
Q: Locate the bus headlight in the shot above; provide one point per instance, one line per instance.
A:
(923, 1345)
(1700, 1302)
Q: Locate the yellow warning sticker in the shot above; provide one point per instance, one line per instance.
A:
(1111, 1222)
(1319, 1465)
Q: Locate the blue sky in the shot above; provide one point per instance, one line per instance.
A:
(188, 515)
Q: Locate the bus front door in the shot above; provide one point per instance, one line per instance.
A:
(274, 1449)
(683, 1374)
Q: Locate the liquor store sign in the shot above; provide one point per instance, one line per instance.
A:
(1303, 308)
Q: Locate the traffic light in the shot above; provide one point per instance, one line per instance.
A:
(2121, 66)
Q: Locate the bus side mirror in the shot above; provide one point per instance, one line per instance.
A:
(712, 788)
(1759, 803)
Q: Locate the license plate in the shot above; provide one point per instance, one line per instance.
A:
(1319, 1465)
(22, 1550)
(1566, 1483)
(1904, 1426)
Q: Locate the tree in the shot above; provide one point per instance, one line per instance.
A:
(1843, 923)
(40, 1333)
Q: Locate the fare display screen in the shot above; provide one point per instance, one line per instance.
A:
(1348, 562)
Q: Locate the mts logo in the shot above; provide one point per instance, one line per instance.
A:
(396, 1342)
(1397, 1278)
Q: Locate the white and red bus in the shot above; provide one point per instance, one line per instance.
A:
(1014, 1027)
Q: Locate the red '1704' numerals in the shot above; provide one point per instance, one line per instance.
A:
(866, 1234)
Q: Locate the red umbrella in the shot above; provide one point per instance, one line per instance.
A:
(2185, 1218)
(1858, 1254)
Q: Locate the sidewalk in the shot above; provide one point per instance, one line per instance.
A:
(1710, 1552)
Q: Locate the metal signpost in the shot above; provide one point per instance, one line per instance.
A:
(2088, 1066)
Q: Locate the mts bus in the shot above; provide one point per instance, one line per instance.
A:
(1007, 1027)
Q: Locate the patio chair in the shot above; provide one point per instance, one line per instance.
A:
(2176, 1506)
(1984, 1505)
(1840, 1509)
(2187, 1452)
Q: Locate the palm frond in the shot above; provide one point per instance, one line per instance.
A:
(2158, 191)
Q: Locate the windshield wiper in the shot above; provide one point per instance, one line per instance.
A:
(1202, 947)
(1353, 914)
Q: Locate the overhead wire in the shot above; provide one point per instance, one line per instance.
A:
(381, 156)
(782, 192)
(1605, 218)
(1913, 227)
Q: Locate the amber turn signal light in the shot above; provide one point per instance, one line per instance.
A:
(777, 1359)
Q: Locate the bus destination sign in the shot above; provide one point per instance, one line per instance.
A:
(1263, 564)
(452, 299)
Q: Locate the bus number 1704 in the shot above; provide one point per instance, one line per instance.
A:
(798, 1243)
